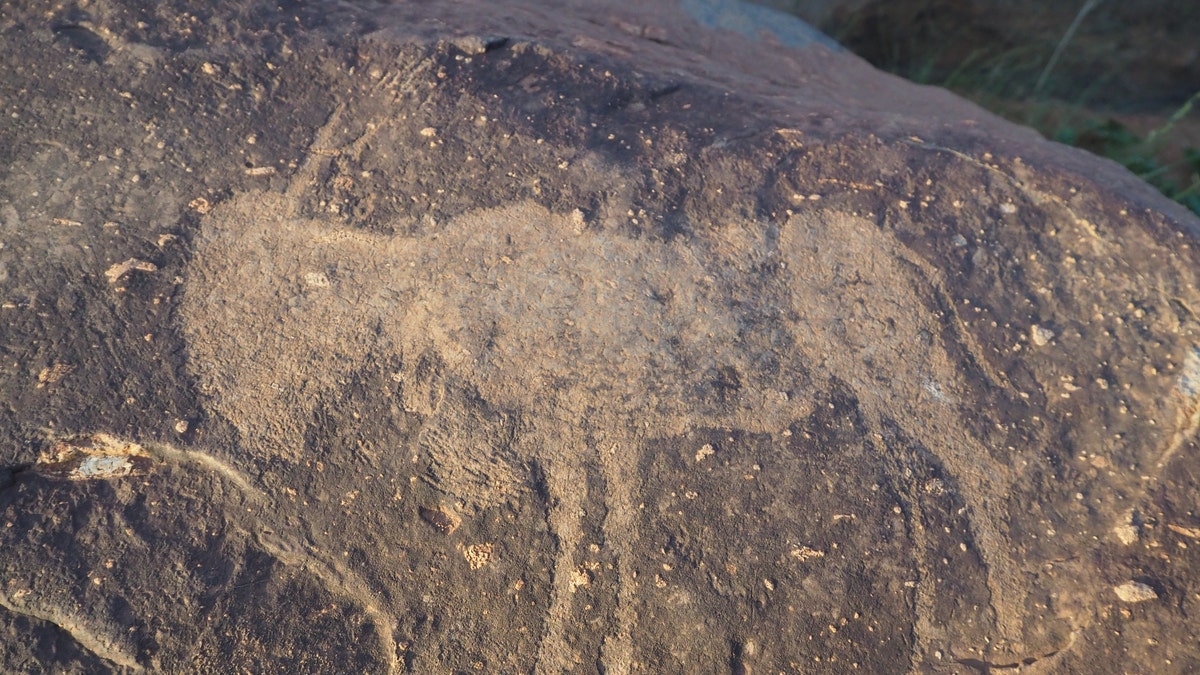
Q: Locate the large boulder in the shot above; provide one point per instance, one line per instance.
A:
(575, 336)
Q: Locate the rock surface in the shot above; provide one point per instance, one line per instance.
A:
(503, 337)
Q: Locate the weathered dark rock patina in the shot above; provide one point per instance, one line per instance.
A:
(511, 337)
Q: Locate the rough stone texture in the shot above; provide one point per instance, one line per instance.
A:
(571, 337)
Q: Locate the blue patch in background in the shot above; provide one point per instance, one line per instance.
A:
(753, 20)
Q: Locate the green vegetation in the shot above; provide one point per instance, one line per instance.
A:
(1109, 138)
(1012, 70)
(1009, 84)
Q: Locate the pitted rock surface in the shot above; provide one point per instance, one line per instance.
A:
(572, 337)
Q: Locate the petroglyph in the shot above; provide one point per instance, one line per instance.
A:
(518, 304)
(470, 450)
(105, 644)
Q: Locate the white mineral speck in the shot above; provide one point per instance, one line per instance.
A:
(1133, 591)
(1040, 335)
(316, 280)
(1126, 534)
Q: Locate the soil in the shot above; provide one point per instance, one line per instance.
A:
(498, 338)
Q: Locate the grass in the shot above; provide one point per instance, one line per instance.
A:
(932, 42)
(1141, 155)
